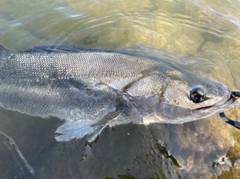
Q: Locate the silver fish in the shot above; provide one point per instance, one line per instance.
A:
(94, 89)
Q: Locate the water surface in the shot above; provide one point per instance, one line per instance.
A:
(202, 36)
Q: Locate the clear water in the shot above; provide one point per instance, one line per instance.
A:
(204, 35)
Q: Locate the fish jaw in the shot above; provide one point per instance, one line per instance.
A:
(168, 113)
(227, 103)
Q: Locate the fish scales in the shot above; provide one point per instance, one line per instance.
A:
(77, 65)
(94, 89)
(44, 80)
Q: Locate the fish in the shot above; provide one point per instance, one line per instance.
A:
(93, 89)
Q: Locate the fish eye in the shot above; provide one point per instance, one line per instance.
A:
(198, 94)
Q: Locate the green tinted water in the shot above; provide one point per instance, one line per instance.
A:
(202, 35)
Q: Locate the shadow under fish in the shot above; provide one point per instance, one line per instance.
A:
(92, 89)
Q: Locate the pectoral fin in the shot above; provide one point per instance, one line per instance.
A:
(69, 131)
(91, 128)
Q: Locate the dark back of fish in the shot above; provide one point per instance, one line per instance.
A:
(68, 84)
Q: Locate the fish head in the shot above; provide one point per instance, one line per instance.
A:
(187, 97)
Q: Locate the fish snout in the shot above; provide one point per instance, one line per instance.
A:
(234, 96)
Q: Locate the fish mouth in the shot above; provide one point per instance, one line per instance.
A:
(226, 103)
(235, 124)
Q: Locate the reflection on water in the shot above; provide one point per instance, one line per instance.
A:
(17, 155)
(203, 34)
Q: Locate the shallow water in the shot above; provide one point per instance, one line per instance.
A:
(203, 36)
